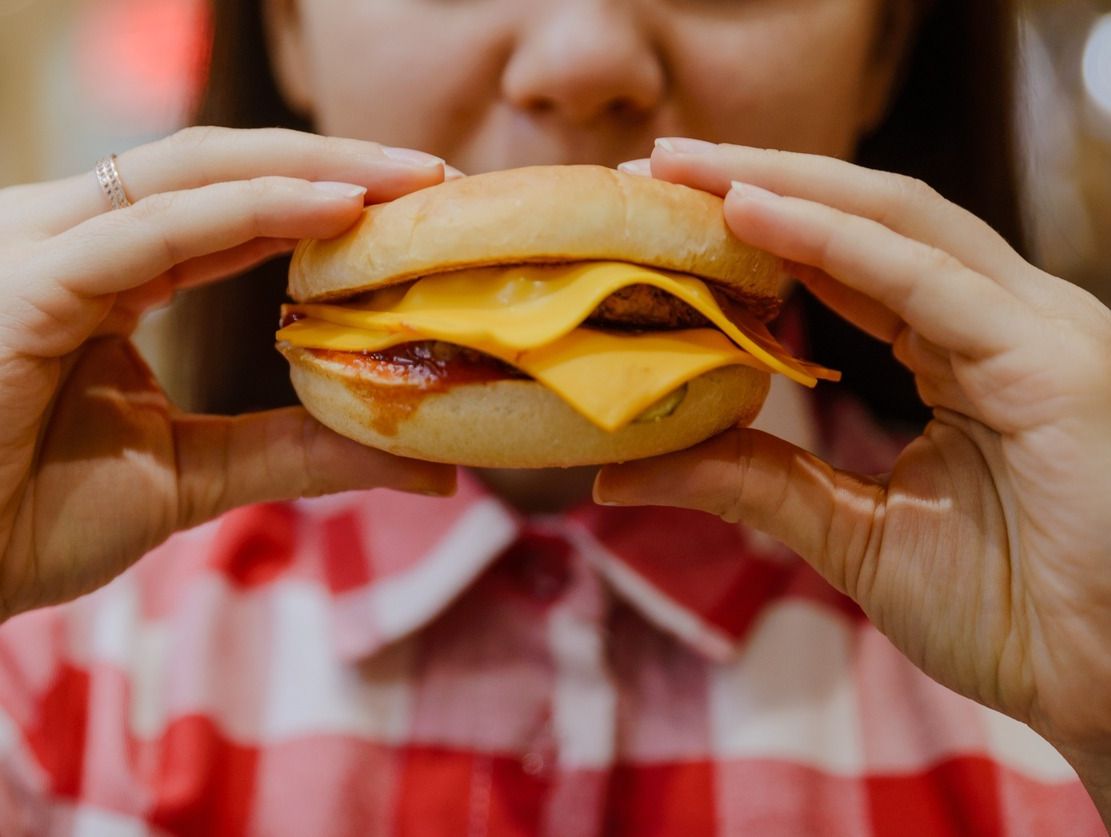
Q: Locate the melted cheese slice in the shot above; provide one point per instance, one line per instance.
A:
(529, 317)
(524, 307)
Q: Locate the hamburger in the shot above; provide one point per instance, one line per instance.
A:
(549, 316)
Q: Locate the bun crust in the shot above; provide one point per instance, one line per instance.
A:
(543, 214)
(511, 423)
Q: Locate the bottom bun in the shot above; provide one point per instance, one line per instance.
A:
(510, 423)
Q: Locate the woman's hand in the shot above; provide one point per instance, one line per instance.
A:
(986, 554)
(96, 467)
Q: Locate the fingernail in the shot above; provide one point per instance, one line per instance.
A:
(604, 493)
(412, 157)
(642, 168)
(750, 192)
(452, 173)
(605, 501)
(347, 191)
(684, 145)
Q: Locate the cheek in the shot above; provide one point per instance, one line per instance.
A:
(393, 73)
(792, 81)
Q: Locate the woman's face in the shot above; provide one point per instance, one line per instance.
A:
(490, 84)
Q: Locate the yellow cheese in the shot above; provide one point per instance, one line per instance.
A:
(609, 378)
(524, 307)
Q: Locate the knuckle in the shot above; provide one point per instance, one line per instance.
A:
(332, 146)
(201, 499)
(936, 260)
(260, 193)
(195, 137)
(261, 188)
(343, 147)
(927, 391)
(903, 195)
(285, 135)
(256, 189)
(738, 454)
(867, 543)
(153, 206)
(903, 348)
(913, 191)
(312, 483)
(254, 193)
(826, 246)
(150, 214)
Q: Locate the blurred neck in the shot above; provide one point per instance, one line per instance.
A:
(546, 491)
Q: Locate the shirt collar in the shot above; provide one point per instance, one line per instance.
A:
(691, 574)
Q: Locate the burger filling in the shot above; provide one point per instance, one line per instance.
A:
(614, 340)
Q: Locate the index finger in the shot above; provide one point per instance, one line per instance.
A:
(902, 204)
(930, 290)
(57, 297)
(197, 157)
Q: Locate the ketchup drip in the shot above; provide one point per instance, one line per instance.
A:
(397, 380)
(428, 365)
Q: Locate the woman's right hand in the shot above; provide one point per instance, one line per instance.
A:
(96, 466)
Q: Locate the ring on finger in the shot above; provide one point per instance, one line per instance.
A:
(109, 178)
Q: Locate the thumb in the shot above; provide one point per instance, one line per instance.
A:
(831, 518)
(225, 462)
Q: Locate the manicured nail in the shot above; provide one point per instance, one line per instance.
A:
(412, 157)
(641, 167)
(684, 145)
(601, 500)
(750, 192)
(604, 495)
(346, 191)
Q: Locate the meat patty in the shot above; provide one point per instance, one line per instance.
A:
(640, 306)
(645, 306)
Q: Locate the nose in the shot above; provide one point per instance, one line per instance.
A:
(584, 60)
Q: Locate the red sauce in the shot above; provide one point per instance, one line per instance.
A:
(398, 379)
(428, 365)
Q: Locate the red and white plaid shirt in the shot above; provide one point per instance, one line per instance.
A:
(387, 664)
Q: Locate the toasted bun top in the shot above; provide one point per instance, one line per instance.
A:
(539, 214)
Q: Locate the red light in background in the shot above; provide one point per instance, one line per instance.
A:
(143, 62)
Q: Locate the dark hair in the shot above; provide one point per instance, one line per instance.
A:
(951, 124)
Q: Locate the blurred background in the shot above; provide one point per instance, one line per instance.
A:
(82, 78)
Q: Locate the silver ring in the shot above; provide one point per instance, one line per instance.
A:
(110, 182)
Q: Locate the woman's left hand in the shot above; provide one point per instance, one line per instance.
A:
(985, 555)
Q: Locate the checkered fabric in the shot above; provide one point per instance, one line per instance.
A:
(386, 664)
